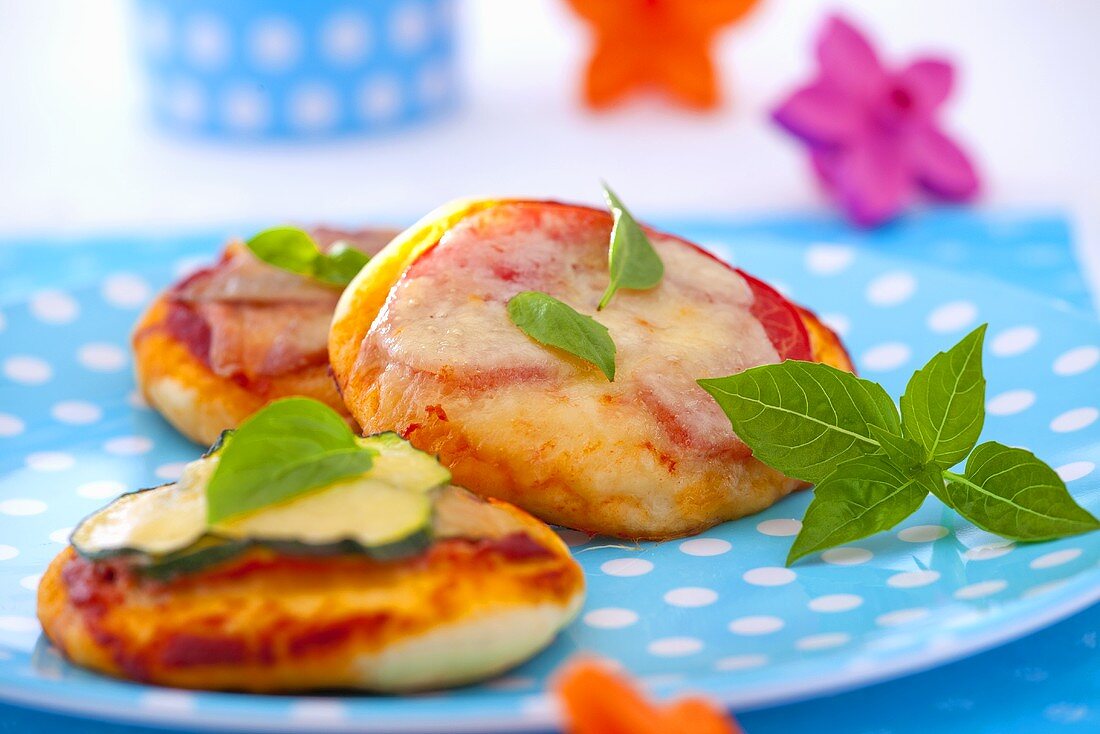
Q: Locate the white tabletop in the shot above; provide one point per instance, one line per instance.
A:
(75, 154)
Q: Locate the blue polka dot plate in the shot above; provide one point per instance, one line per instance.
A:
(717, 613)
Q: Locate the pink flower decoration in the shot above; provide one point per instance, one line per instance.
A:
(873, 134)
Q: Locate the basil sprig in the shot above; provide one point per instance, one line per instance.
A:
(554, 323)
(631, 260)
(874, 467)
(291, 447)
(294, 250)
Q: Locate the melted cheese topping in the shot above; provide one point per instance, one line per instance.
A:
(447, 316)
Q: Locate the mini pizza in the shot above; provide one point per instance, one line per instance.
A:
(389, 579)
(422, 343)
(228, 339)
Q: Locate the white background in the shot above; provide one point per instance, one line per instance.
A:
(75, 154)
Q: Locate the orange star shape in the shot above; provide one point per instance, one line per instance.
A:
(662, 44)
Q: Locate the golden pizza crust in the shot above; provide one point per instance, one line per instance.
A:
(460, 612)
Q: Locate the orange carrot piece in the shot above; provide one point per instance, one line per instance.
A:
(596, 700)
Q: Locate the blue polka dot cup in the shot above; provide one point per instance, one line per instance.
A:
(287, 69)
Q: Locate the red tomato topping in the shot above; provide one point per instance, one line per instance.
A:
(780, 320)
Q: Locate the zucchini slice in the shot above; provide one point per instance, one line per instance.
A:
(206, 551)
(401, 466)
(365, 511)
(385, 513)
(150, 521)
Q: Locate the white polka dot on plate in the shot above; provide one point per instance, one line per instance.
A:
(884, 357)
(989, 551)
(166, 700)
(101, 357)
(409, 27)
(274, 44)
(101, 489)
(313, 107)
(432, 84)
(76, 412)
(828, 259)
(245, 108)
(50, 461)
(760, 624)
(27, 370)
(1076, 361)
(1046, 588)
(890, 289)
(10, 425)
(769, 576)
(126, 290)
(952, 316)
(740, 662)
(61, 535)
(847, 556)
(823, 641)
(838, 322)
(7, 552)
(835, 603)
(670, 647)
(900, 617)
(206, 41)
(1074, 420)
(1056, 558)
(54, 307)
(1016, 340)
(174, 471)
(128, 445)
(30, 583)
(21, 506)
(923, 533)
(625, 567)
(18, 624)
(913, 579)
(705, 547)
(346, 38)
(780, 527)
(185, 102)
(980, 589)
(691, 596)
(1010, 402)
(610, 618)
(1075, 470)
(379, 99)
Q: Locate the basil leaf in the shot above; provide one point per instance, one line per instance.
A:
(862, 497)
(290, 447)
(943, 407)
(340, 265)
(553, 323)
(631, 259)
(906, 453)
(804, 418)
(294, 250)
(1010, 492)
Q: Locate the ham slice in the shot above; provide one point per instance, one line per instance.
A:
(247, 319)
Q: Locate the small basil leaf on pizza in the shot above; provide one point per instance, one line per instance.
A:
(291, 447)
(294, 250)
(631, 260)
(556, 324)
